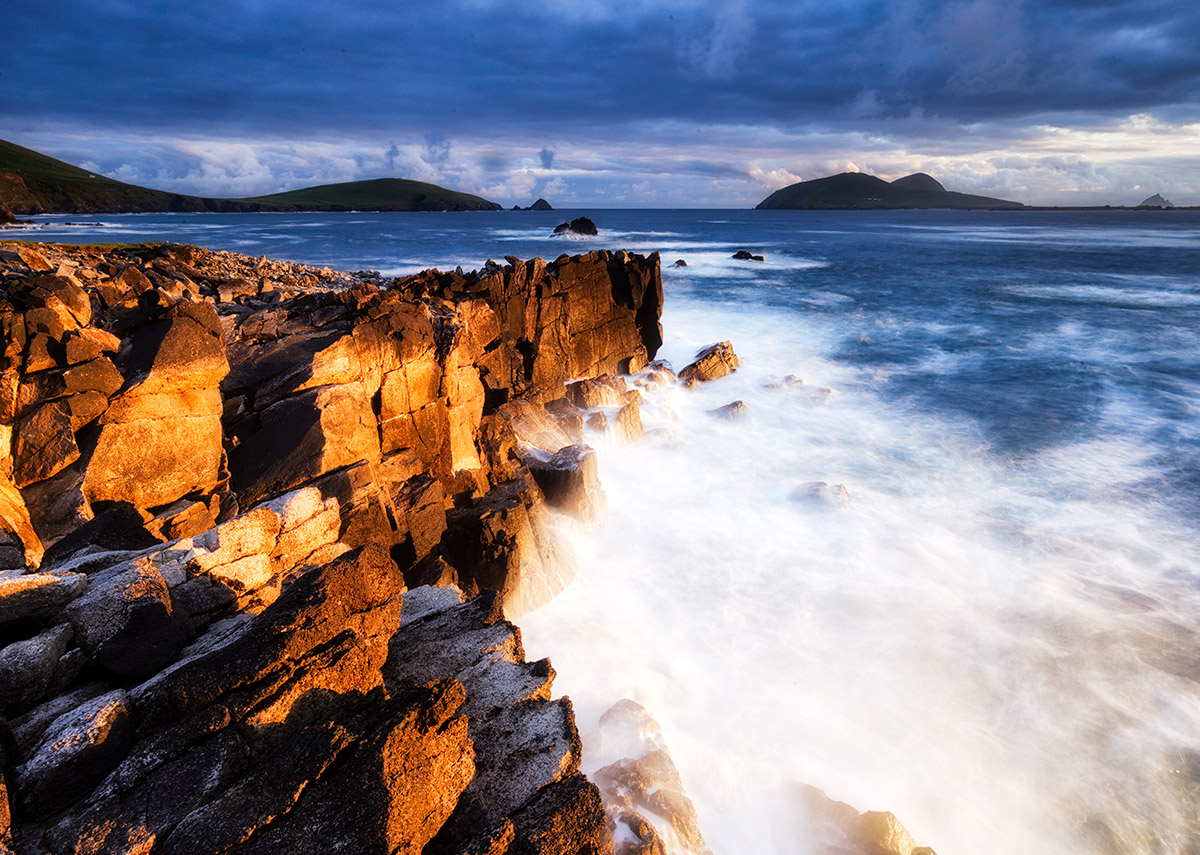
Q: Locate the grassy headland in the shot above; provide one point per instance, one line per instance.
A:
(34, 183)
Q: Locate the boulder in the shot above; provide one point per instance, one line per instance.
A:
(44, 444)
(119, 526)
(390, 791)
(716, 360)
(88, 343)
(565, 818)
(33, 259)
(602, 391)
(679, 262)
(731, 411)
(570, 480)
(76, 752)
(504, 542)
(24, 595)
(27, 668)
(126, 623)
(161, 437)
(745, 255)
(577, 226)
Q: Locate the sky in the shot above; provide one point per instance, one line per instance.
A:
(624, 103)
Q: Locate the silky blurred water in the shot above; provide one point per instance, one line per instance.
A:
(996, 636)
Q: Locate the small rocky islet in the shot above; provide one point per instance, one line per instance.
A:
(260, 527)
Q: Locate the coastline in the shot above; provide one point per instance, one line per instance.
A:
(194, 473)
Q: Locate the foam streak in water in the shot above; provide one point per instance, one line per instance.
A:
(1000, 651)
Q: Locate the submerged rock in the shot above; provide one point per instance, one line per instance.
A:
(835, 828)
(820, 493)
(644, 795)
(745, 255)
(731, 411)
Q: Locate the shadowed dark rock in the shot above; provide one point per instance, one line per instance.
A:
(126, 623)
(578, 226)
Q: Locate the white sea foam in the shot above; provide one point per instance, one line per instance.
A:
(1001, 652)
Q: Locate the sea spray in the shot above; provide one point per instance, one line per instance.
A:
(1000, 651)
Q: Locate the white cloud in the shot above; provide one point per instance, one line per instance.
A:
(774, 180)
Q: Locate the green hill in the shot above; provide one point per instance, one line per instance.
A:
(32, 183)
(858, 191)
(379, 194)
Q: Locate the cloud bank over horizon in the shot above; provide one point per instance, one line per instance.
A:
(658, 103)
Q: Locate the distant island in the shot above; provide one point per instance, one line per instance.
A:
(859, 191)
(539, 205)
(34, 183)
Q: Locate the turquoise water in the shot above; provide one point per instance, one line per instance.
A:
(996, 636)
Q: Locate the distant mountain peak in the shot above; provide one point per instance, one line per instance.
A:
(1156, 201)
(920, 181)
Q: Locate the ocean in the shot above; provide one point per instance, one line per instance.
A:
(993, 630)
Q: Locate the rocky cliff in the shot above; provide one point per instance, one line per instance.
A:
(228, 484)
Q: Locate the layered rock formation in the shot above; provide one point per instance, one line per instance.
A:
(223, 475)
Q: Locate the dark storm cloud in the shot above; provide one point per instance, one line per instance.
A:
(270, 67)
(547, 158)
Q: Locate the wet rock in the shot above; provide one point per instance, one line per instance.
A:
(577, 226)
(525, 743)
(820, 493)
(503, 542)
(680, 263)
(836, 828)
(23, 595)
(602, 391)
(534, 426)
(570, 481)
(789, 382)
(78, 749)
(643, 792)
(126, 623)
(746, 255)
(27, 668)
(565, 817)
(627, 426)
(731, 411)
(712, 362)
